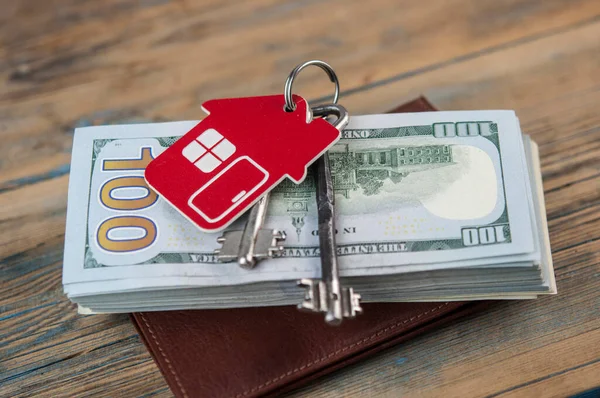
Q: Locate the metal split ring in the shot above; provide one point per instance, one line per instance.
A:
(287, 91)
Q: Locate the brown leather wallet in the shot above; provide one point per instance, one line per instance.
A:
(254, 352)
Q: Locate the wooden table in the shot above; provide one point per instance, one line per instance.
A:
(67, 63)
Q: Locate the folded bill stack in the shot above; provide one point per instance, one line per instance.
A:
(432, 206)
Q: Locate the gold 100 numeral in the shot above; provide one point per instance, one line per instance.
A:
(109, 200)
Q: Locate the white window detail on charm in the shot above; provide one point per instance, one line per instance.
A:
(224, 149)
(208, 163)
(209, 150)
(210, 138)
(193, 151)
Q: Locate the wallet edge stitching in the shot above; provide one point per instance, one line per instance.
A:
(323, 358)
(177, 380)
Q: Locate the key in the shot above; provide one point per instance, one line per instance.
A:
(327, 294)
(254, 243)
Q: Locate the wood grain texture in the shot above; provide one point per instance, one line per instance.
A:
(68, 63)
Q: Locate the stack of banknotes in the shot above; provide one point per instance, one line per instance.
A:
(432, 206)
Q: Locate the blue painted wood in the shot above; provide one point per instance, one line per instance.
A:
(593, 393)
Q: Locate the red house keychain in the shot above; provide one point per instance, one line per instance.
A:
(240, 151)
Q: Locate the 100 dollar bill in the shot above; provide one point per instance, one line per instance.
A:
(410, 189)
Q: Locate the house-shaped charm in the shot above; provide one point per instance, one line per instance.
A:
(240, 151)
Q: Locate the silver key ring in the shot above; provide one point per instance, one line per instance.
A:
(287, 91)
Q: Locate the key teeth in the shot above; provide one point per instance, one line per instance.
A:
(311, 302)
(273, 250)
(306, 306)
(279, 235)
(316, 300)
(230, 241)
(246, 263)
(266, 246)
(332, 320)
(351, 303)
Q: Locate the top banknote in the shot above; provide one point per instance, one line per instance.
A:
(429, 190)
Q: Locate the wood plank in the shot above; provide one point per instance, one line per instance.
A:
(544, 73)
(33, 215)
(41, 344)
(135, 71)
(567, 381)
